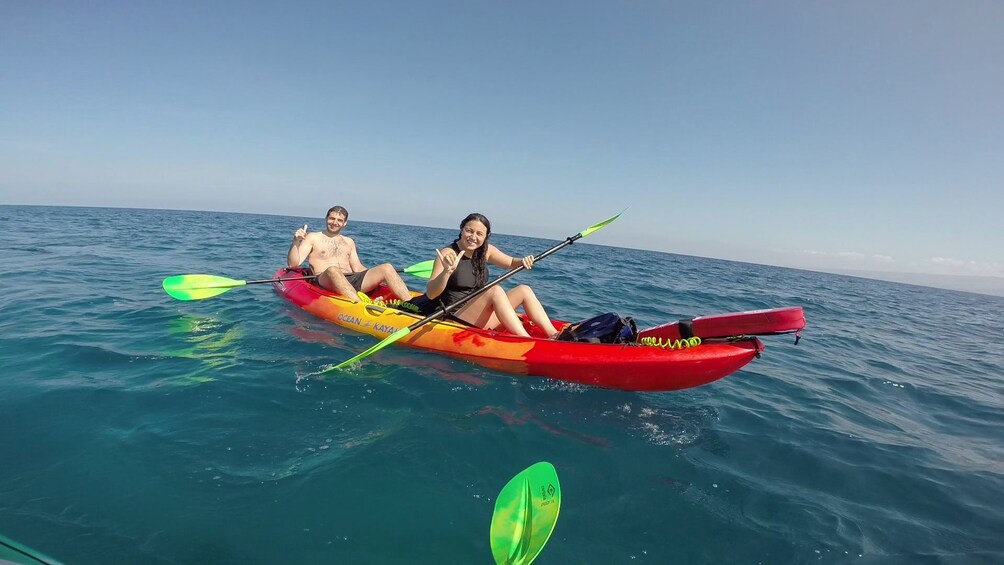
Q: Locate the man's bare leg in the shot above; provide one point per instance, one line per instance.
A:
(385, 273)
(333, 279)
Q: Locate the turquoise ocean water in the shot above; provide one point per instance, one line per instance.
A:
(138, 429)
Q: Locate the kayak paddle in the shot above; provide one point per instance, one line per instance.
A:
(456, 305)
(197, 287)
(526, 511)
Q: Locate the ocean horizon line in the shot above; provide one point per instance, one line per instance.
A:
(985, 285)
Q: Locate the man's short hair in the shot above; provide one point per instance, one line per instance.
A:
(338, 210)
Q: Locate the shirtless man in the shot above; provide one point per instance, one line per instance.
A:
(334, 260)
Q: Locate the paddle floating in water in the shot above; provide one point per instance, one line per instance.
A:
(526, 511)
(460, 303)
(198, 287)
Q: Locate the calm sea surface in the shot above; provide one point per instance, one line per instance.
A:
(138, 429)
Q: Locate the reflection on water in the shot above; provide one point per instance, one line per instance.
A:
(524, 416)
(207, 340)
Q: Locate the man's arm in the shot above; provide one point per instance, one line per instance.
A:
(299, 249)
(354, 262)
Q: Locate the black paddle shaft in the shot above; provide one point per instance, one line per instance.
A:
(281, 280)
(456, 305)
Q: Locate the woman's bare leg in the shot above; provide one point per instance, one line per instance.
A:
(524, 295)
(491, 309)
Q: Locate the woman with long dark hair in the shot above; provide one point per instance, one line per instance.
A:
(462, 268)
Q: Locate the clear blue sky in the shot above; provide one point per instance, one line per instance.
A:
(825, 135)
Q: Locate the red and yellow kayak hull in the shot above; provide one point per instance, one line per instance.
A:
(619, 366)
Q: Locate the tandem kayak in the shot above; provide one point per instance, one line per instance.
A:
(660, 363)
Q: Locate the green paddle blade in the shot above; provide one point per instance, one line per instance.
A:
(602, 224)
(525, 514)
(197, 287)
(421, 270)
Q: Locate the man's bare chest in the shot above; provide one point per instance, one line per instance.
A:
(332, 248)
